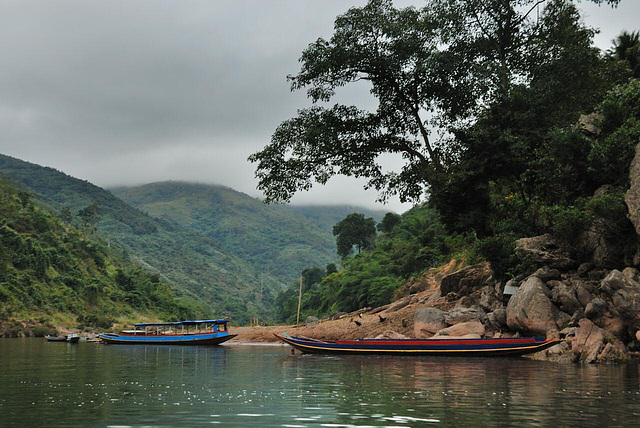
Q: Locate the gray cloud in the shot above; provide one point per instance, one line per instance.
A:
(128, 92)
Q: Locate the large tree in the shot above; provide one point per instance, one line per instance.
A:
(354, 230)
(396, 51)
(428, 68)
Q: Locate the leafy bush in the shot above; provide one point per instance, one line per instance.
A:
(499, 251)
(569, 221)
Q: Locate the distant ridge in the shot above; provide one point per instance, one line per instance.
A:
(280, 240)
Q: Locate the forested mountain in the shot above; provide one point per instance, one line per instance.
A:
(53, 272)
(277, 239)
(196, 265)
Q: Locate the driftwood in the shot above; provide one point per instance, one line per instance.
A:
(380, 309)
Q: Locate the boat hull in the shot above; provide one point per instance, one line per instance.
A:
(56, 338)
(191, 339)
(450, 347)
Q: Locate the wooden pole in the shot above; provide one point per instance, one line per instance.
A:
(299, 302)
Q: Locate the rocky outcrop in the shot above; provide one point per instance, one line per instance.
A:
(463, 329)
(592, 344)
(565, 297)
(590, 124)
(632, 198)
(399, 304)
(465, 280)
(543, 250)
(596, 310)
(498, 319)
(390, 334)
(463, 315)
(530, 309)
(428, 321)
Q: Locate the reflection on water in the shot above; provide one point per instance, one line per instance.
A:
(53, 384)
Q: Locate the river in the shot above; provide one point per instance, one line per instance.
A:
(88, 384)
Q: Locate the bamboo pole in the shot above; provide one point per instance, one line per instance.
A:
(299, 302)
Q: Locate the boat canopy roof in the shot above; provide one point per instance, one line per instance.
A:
(161, 324)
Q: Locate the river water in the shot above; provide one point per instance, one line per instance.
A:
(59, 384)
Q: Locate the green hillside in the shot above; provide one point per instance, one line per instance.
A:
(197, 266)
(279, 240)
(49, 269)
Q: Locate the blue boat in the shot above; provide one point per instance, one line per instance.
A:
(199, 332)
(452, 346)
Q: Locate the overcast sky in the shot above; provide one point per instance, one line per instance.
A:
(131, 92)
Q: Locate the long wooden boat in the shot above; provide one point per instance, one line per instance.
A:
(55, 338)
(457, 347)
(199, 332)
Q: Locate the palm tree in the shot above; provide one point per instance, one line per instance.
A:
(626, 47)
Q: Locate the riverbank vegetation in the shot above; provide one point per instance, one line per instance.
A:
(511, 123)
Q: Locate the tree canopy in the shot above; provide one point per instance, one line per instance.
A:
(429, 69)
(354, 230)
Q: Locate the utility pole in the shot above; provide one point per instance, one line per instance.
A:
(299, 302)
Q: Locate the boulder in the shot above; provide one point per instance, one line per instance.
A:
(390, 334)
(576, 317)
(498, 318)
(614, 325)
(427, 321)
(489, 301)
(311, 320)
(588, 341)
(591, 343)
(461, 315)
(543, 250)
(583, 296)
(595, 309)
(531, 310)
(565, 297)
(590, 124)
(614, 281)
(465, 280)
(399, 304)
(632, 198)
(463, 329)
(584, 268)
(626, 301)
(602, 245)
(632, 274)
(545, 273)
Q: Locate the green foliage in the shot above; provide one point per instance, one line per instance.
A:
(354, 230)
(609, 207)
(569, 221)
(388, 222)
(46, 266)
(331, 268)
(626, 48)
(499, 251)
(612, 152)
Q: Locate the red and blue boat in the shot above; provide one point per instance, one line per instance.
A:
(450, 346)
(199, 332)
